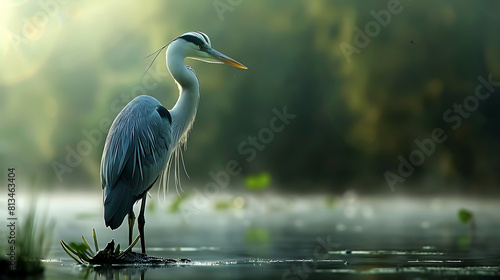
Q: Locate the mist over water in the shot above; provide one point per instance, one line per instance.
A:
(268, 236)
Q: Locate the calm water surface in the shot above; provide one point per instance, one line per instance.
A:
(293, 237)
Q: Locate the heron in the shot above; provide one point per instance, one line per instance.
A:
(145, 137)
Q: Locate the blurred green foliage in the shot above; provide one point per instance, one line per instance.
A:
(465, 216)
(222, 205)
(151, 206)
(258, 182)
(464, 241)
(257, 236)
(331, 201)
(64, 81)
(33, 241)
(175, 207)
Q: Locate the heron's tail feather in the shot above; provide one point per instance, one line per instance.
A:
(117, 204)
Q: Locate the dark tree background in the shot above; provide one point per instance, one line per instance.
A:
(67, 70)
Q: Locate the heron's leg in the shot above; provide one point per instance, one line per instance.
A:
(131, 221)
(141, 223)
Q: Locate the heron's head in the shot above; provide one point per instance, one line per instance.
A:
(197, 46)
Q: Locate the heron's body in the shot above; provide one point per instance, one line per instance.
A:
(134, 156)
(145, 135)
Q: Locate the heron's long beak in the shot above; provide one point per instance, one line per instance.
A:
(225, 59)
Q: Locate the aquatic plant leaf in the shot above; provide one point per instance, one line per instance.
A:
(130, 247)
(70, 251)
(117, 249)
(88, 246)
(95, 240)
(78, 248)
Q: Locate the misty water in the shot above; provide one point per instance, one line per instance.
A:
(265, 236)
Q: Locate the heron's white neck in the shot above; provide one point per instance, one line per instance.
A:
(184, 111)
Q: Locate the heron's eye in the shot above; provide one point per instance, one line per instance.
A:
(202, 47)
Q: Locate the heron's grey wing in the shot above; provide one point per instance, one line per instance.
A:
(136, 151)
(150, 153)
(137, 146)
